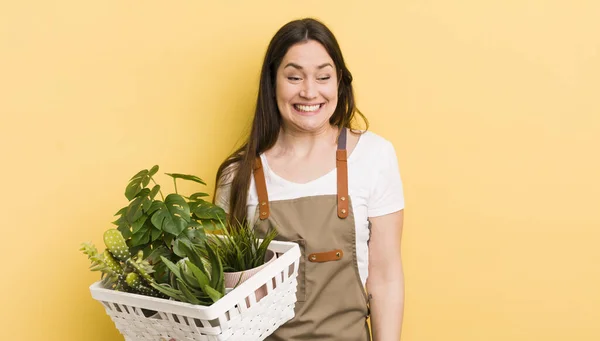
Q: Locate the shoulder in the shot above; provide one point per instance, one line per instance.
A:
(370, 138)
(372, 146)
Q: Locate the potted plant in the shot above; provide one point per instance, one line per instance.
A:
(165, 247)
(242, 252)
(191, 279)
(155, 236)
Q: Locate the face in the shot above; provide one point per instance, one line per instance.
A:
(306, 87)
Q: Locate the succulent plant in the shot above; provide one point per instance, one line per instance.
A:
(121, 271)
(193, 282)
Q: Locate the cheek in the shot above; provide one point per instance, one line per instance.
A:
(284, 93)
(331, 93)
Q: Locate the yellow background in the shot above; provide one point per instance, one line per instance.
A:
(492, 106)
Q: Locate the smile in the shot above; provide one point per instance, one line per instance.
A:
(308, 108)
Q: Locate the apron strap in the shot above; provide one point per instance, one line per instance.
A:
(341, 164)
(261, 189)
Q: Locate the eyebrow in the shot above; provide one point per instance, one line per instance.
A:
(296, 66)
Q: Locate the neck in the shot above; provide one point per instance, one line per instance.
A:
(304, 143)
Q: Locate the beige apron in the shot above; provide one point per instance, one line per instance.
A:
(332, 304)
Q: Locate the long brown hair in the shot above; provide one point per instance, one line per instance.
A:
(267, 119)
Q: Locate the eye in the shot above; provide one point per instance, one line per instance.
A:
(294, 78)
(324, 78)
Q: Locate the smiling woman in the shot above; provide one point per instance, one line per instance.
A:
(306, 88)
(334, 190)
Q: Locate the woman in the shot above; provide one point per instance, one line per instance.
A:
(334, 191)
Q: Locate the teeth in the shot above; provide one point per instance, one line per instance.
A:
(307, 107)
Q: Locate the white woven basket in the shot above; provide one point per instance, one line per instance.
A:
(235, 317)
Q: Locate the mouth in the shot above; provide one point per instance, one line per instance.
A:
(308, 109)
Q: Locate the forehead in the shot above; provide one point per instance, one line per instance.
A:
(307, 54)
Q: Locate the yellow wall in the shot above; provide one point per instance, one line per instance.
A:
(492, 106)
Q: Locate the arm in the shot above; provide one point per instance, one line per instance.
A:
(385, 284)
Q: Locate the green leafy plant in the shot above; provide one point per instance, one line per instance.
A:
(194, 279)
(153, 227)
(160, 226)
(240, 248)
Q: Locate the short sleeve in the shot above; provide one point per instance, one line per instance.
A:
(222, 196)
(223, 191)
(387, 193)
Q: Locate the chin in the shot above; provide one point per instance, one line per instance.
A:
(314, 126)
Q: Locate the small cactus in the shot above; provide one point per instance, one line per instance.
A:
(114, 241)
(120, 271)
(112, 263)
(134, 281)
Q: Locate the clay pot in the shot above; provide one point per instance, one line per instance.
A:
(236, 278)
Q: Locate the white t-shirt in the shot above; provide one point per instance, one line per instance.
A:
(374, 186)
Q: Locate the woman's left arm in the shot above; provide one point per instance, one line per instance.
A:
(385, 283)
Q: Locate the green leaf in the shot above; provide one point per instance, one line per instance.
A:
(196, 236)
(156, 204)
(197, 196)
(153, 170)
(213, 294)
(169, 291)
(174, 268)
(161, 272)
(152, 194)
(193, 224)
(137, 182)
(186, 177)
(212, 225)
(155, 234)
(192, 254)
(194, 204)
(121, 211)
(216, 276)
(122, 221)
(189, 278)
(140, 238)
(154, 256)
(206, 210)
(177, 245)
(125, 230)
(147, 250)
(168, 239)
(137, 225)
(135, 210)
(173, 215)
(200, 276)
(187, 293)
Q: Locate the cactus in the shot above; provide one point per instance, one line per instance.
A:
(134, 281)
(111, 271)
(113, 264)
(121, 271)
(115, 243)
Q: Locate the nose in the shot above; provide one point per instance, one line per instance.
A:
(309, 90)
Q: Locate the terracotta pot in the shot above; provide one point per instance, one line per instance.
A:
(236, 278)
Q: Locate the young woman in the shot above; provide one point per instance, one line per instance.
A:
(334, 190)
